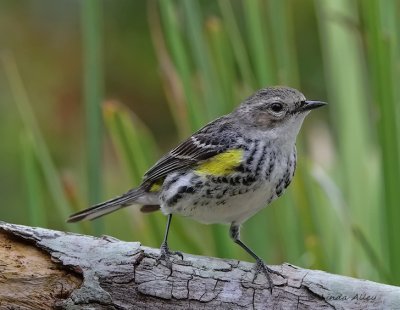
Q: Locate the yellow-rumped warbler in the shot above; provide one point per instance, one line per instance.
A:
(227, 171)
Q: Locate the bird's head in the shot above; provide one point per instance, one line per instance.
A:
(276, 111)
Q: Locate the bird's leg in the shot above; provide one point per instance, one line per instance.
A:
(165, 253)
(234, 233)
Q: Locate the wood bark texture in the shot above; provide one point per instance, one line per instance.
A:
(47, 269)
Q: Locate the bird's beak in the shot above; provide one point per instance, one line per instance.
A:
(310, 105)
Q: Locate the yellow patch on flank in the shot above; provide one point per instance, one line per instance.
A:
(221, 164)
(155, 187)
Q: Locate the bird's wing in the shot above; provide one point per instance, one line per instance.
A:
(209, 141)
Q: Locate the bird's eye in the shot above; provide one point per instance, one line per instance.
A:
(276, 107)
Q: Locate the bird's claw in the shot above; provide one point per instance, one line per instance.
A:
(166, 253)
(260, 266)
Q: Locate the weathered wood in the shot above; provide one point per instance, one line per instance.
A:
(44, 269)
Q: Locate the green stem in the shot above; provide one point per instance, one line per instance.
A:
(93, 95)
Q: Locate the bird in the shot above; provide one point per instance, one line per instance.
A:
(225, 172)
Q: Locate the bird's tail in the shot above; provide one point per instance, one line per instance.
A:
(129, 198)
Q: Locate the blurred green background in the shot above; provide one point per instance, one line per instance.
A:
(93, 92)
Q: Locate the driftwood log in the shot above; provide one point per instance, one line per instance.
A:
(47, 269)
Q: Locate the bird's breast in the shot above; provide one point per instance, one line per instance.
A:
(262, 176)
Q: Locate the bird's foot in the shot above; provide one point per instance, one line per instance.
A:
(260, 266)
(166, 254)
